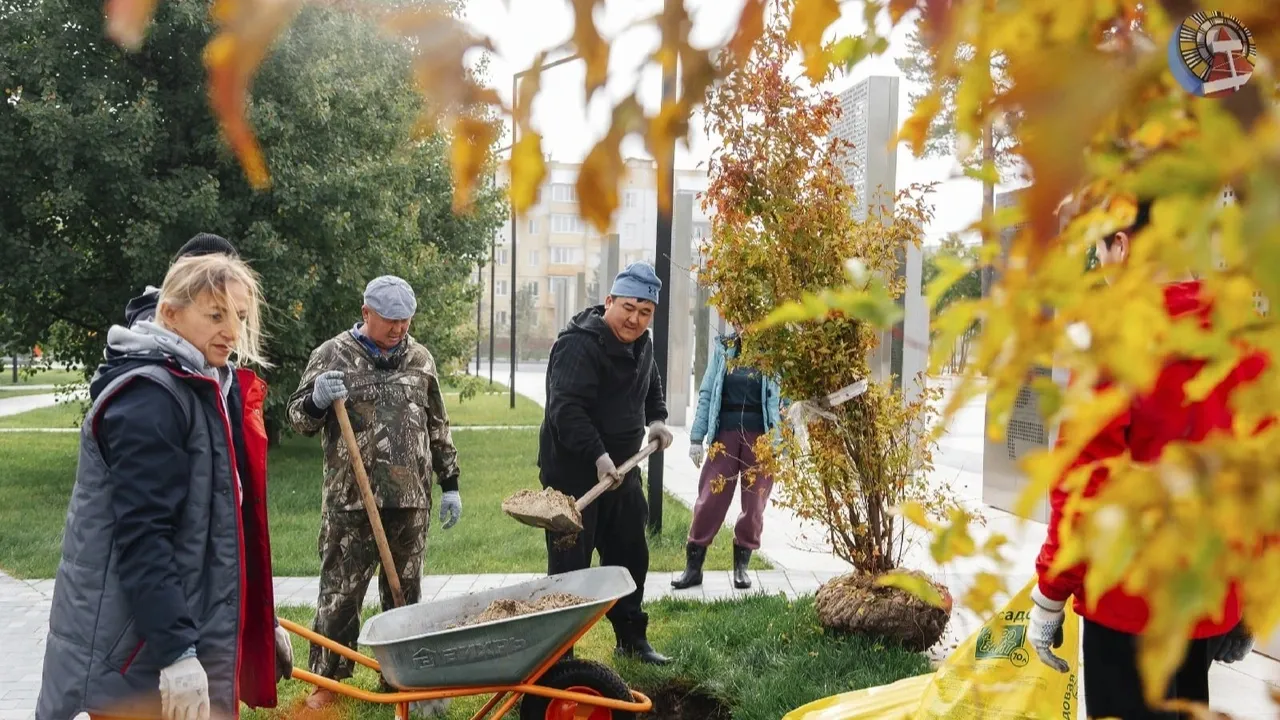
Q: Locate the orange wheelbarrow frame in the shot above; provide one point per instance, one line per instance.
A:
(504, 696)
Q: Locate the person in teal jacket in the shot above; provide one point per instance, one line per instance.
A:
(735, 407)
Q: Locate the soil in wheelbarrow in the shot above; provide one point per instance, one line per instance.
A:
(505, 608)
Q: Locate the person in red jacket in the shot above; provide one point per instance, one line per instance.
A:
(1112, 681)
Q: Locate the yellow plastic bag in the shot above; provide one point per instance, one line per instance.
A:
(896, 701)
(993, 675)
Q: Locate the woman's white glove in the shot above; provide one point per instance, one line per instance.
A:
(697, 453)
(184, 691)
(1045, 629)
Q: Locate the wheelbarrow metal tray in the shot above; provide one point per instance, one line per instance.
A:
(417, 650)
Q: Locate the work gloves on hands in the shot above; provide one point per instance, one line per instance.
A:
(697, 453)
(606, 469)
(1236, 646)
(1045, 629)
(658, 431)
(184, 690)
(329, 386)
(284, 654)
(450, 508)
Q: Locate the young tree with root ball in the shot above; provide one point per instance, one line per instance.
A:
(784, 226)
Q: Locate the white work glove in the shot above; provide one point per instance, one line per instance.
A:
(606, 468)
(1044, 629)
(329, 386)
(429, 708)
(658, 431)
(450, 508)
(1236, 646)
(184, 691)
(284, 655)
(697, 453)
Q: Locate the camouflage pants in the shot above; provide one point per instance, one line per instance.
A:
(348, 557)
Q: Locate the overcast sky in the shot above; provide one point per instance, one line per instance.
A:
(569, 127)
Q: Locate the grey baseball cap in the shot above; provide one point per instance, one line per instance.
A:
(390, 297)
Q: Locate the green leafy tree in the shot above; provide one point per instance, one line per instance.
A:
(113, 160)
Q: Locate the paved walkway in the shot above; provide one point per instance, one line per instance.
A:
(796, 549)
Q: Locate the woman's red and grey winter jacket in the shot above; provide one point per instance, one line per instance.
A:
(1143, 429)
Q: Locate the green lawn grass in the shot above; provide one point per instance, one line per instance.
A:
(20, 391)
(51, 376)
(38, 469)
(759, 657)
(62, 415)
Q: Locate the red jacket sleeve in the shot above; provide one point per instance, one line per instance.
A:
(1110, 442)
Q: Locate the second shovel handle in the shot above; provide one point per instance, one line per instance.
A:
(623, 469)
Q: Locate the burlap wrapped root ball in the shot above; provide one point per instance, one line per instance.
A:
(854, 603)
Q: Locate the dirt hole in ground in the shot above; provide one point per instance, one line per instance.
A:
(676, 700)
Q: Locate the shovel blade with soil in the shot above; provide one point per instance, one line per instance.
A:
(553, 510)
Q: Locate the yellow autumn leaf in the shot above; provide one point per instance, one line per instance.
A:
(527, 171)
(468, 153)
(590, 45)
(671, 122)
(598, 182)
(916, 129)
(914, 513)
(809, 22)
(914, 584)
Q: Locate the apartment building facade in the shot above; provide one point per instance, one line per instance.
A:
(560, 256)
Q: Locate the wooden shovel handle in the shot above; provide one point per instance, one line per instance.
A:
(370, 504)
(623, 469)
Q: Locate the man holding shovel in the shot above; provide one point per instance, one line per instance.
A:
(391, 394)
(603, 390)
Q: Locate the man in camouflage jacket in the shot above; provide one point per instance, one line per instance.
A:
(397, 412)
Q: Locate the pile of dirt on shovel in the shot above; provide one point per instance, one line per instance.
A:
(506, 608)
(548, 505)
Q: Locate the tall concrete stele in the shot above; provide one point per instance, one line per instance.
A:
(869, 121)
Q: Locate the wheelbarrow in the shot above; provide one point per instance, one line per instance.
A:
(420, 654)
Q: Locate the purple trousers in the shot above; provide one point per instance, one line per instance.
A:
(708, 513)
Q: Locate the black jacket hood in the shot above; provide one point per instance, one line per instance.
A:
(591, 321)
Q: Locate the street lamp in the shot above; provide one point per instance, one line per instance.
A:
(662, 318)
(515, 111)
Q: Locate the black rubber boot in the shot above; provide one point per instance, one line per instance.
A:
(741, 558)
(694, 556)
(633, 642)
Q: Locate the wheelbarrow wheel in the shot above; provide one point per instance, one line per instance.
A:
(581, 676)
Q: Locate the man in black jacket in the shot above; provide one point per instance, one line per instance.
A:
(603, 390)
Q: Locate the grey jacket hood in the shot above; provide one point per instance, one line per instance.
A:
(148, 340)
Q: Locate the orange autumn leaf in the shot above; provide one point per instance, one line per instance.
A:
(750, 28)
(603, 168)
(899, 8)
(590, 45)
(527, 171)
(127, 21)
(916, 128)
(247, 28)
